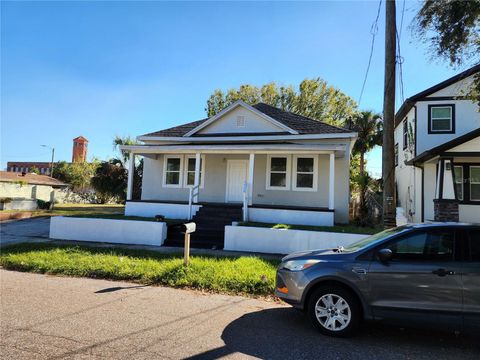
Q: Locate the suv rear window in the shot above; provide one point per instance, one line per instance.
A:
(474, 245)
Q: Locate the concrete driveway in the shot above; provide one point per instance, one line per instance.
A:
(17, 231)
(47, 317)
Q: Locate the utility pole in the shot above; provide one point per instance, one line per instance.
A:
(53, 156)
(388, 153)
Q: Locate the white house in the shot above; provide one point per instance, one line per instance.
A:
(437, 146)
(255, 163)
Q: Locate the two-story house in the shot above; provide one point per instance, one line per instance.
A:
(437, 153)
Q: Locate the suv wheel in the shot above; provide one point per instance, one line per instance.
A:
(334, 311)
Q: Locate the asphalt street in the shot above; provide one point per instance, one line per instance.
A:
(49, 317)
(17, 231)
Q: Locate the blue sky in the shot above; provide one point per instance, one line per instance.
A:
(101, 69)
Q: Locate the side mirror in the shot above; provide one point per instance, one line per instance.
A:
(385, 255)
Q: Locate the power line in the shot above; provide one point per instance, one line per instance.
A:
(400, 59)
(373, 31)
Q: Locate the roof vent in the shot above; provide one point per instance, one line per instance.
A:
(241, 121)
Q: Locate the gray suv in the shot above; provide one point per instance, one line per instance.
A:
(409, 275)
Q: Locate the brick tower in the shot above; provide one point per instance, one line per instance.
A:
(79, 153)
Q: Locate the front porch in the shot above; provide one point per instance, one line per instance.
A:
(288, 183)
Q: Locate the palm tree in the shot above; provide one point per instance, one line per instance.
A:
(127, 140)
(125, 158)
(369, 127)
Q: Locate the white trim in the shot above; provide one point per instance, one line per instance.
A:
(314, 187)
(331, 182)
(287, 172)
(230, 108)
(238, 148)
(202, 171)
(180, 176)
(247, 138)
(455, 169)
(229, 161)
(131, 169)
(250, 176)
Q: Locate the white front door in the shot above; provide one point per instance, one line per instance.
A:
(237, 173)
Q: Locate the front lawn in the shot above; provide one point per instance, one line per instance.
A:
(337, 228)
(74, 210)
(248, 275)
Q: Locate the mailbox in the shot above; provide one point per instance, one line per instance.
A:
(188, 228)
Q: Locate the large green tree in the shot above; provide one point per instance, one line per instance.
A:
(110, 181)
(452, 28)
(77, 175)
(313, 98)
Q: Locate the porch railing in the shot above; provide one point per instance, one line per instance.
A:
(245, 201)
(193, 195)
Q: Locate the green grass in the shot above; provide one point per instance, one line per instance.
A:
(75, 210)
(245, 275)
(337, 228)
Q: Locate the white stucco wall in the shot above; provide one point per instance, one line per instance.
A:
(467, 116)
(469, 213)
(291, 217)
(215, 184)
(108, 230)
(408, 178)
(278, 241)
(13, 190)
(170, 211)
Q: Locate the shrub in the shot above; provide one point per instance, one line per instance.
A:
(43, 205)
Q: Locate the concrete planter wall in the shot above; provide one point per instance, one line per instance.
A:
(171, 211)
(281, 241)
(19, 204)
(108, 230)
(294, 217)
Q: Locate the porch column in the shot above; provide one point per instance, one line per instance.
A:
(445, 203)
(251, 167)
(131, 169)
(331, 183)
(196, 181)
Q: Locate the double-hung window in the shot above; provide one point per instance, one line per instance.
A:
(278, 172)
(475, 183)
(190, 171)
(467, 183)
(458, 170)
(405, 134)
(305, 172)
(172, 174)
(441, 119)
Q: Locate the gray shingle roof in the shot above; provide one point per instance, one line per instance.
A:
(299, 123)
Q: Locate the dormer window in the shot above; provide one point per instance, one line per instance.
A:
(241, 121)
(441, 119)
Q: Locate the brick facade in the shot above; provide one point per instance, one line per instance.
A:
(445, 210)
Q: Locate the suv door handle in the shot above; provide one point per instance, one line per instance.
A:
(443, 272)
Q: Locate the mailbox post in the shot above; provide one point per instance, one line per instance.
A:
(187, 229)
